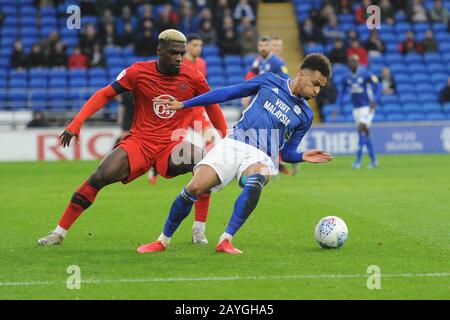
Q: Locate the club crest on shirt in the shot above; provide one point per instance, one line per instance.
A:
(182, 86)
(159, 109)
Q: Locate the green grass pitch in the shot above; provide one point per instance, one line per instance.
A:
(398, 218)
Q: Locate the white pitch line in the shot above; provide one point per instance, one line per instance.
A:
(236, 278)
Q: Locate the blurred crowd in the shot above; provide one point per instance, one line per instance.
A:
(228, 24)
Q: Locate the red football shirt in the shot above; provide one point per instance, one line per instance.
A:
(150, 121)
(199, 64)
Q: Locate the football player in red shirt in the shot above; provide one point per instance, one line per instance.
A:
(154, 140)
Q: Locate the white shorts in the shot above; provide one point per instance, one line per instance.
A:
(363, 115)
(229, 158)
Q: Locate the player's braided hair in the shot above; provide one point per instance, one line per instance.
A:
(319, 62)
(171, 35)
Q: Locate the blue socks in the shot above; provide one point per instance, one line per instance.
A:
(246, 202)
(180, 209)
(361, 143)
(371, 150)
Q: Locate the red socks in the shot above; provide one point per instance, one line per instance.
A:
(202, 206)
(81, 200)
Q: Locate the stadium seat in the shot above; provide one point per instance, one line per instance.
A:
(446, 107)
(444, 47)
(78, 82)
(395, 117)
(216, 81)
(97, 73)
(98, 82)
(215, 70)
(234, 70)
(248, 60)
(18, 83)
(432, 107)
(379, 117)
(432, 58)
(412, 107)
(397, 67)
(428, 97)
(213, 61)
(392, 108)
(210, 50)
(57, 83)
(416, 116)
(230, 60)
(424, 87)
(37, 73)
(436, 116)
(39, 83)
(413, 58)
(416, 67)
(390, 98)
(439, 78)
(407, 97)
(17, 99)
(77, 74)
(406, 88)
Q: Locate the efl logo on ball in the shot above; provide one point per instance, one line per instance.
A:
(160, 109)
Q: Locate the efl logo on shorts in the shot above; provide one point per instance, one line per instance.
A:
(159, 108)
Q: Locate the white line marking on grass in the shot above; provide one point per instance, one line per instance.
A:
(235, 278)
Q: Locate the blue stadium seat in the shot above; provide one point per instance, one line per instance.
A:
(444, 47)
(18, 83)
(77, 74)
(57, 73)
(424, 87)
(407, 97)
(248, 59)
(402, 77)
(432, 58)
(431, 107)
(428, 97)
(421, 27)
(416, 116)
(416, 67)
(413, 58)
(37, 83)
(98, 82)
(397, 67)
(442, 37)
(37, 73)
(14, 74)
(48, 11)
(438, 78)
(77, 82)
(234, 70)
(395, 117)
(57, 82)
(394, 57)
(3, 83)
(216, 81)
(234, 80)
(215, 70)
(232, 60)
(405, 88)
(379, 117)
(116, 62)
(436, 116)
(27, 11)
(58, 100)
(412, 107)
(390, 98)
(438, 27)
(213, 61)
(112, 52)
(9, 10)
(420, 77)
(392, 108)
(17, 99)
(97, 73)
(210, 50)
(28, 21)
(310, 48)
(446, 107)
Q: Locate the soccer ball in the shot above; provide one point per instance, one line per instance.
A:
(331, 232)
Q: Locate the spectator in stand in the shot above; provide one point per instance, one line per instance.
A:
(109, 37)
(317, 19)
(310, 34)
(229, 45)
(18, 58)
(416, 11)
(146, 44)
(48, 44)
(361, 11)
(388, 83)
(97, 59)
(439, 13)
(248, 41)
(345, 7)
(36, 57)
(328, 13)
(339, 53)
(227, 24)
(106, 17)
(332, 32)
(245, 23)
(444, 96)
(387, 12)
(352, 35)
(189, 22)
(78, 60)
(207, 33)
(168, 18)
(243, 9)
(399, 5)
(2, 17)
(221, 9)
(410, 45)
(38, 120)
(126, 16)
(429, 44)
(147, 14)
(88, 39)
(356, 49)
(374, 45)
(128, 35)
(58, 56)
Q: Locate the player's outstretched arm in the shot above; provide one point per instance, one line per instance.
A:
(97, 101)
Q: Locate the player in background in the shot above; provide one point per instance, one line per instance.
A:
(276, 121)
(365, 91)
(154, 139)
(276, 46)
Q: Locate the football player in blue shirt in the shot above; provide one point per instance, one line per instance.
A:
(275, 122)
(365, 90)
